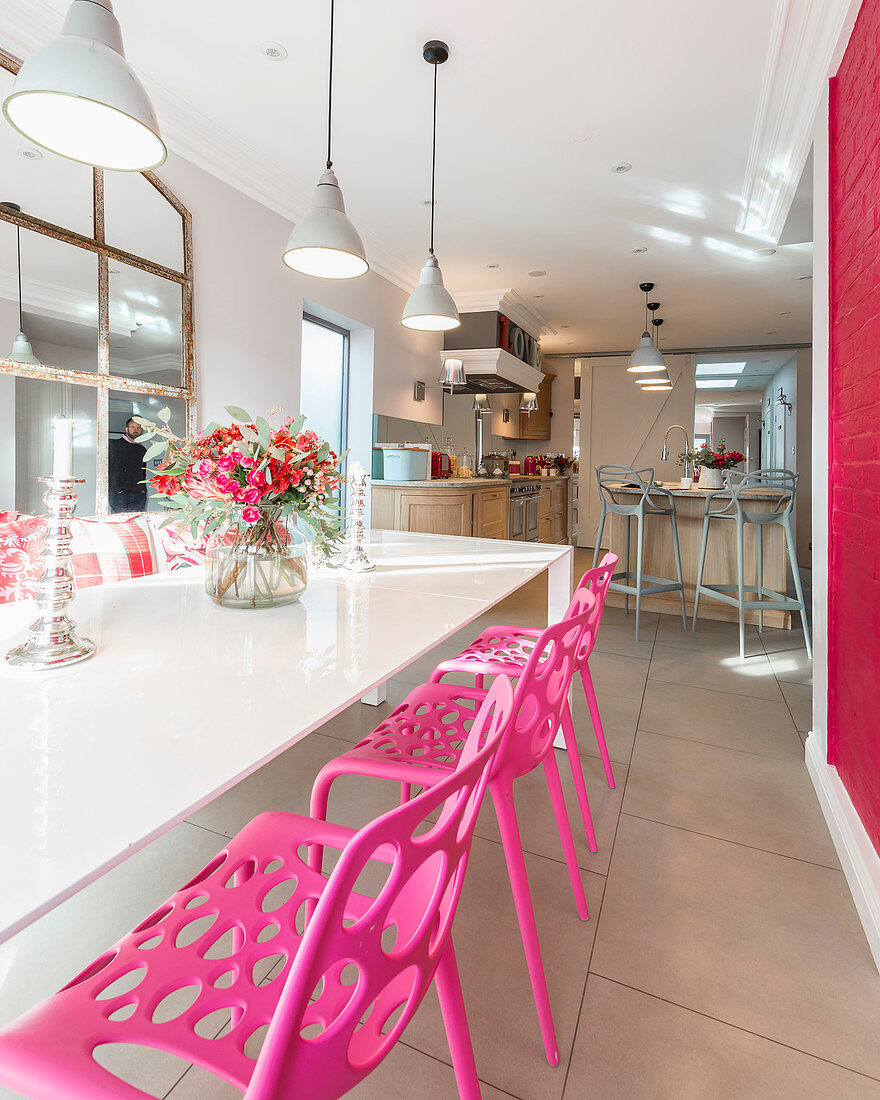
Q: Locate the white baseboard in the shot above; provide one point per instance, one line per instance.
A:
(858, 857)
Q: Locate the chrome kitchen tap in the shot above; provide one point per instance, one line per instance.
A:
(664, 454)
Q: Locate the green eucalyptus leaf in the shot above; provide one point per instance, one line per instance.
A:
(249, 434)
(239, 414)
(263, 430)
(164, 414)
(297, 426)
(323, 451)
(157, 448)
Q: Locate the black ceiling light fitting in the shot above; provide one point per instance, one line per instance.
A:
(646, 359)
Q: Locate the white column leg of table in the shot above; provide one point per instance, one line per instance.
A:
(559, 581)
(376, 697)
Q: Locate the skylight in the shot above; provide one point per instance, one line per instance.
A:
(720, 368)
(716, 383)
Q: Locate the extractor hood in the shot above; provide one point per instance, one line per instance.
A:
(494, 370)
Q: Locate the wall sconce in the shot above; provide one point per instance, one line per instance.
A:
(453, 374)
(505, 416)
(529, 403)
(419, 391)
(781, 399)
(481, 404)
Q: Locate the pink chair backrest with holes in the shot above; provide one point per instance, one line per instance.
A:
(543, 686)
(597, 581)
(367, 961)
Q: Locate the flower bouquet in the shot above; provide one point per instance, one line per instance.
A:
(242, 487)
(708, 461)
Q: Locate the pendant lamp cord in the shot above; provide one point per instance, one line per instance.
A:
(433, 160)
(330, 86)
(647, 329)
(20, 307)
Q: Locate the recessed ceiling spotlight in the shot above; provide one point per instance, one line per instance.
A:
(429, 202)
(638, 251)
(765, 360)
(274, 51)
(623, 166)
(803, 278)
(571, 341)
(785, 313)
(762, 253)
(537, 295)
(493, 266)
(585, 137)
(537, 274)
(30, 154)
(565, 326)
(773, 333)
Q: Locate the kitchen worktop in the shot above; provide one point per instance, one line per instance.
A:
(473, 482)
(676, 490)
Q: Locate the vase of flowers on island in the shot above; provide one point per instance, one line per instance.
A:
(245, 487)
(711, 463)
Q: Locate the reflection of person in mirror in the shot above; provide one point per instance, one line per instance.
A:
(126, 471)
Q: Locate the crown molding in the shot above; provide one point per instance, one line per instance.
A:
(807, 39)
(496, 370)
(29, 24)
(511, 304)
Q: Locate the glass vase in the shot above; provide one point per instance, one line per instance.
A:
(260, 562)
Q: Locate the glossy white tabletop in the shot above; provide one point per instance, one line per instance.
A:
(183, 698)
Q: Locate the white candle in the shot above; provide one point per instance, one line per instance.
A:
(356, 472)
(63, 448)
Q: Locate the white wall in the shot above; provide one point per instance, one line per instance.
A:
(794, 451)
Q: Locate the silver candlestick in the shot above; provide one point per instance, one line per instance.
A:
(356, 560)
(52, 639)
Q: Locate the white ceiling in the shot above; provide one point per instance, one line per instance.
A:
(536, 104)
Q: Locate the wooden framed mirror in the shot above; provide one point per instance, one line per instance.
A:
(106, 302)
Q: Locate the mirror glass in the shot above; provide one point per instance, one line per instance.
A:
(146, 326)
(33, 406)
(44, 185)
(139, 220)
(59, 294)
(126, 470)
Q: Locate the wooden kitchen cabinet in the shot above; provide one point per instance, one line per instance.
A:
(536, 425)
(443, 512)
(490, 513)
(553, 512)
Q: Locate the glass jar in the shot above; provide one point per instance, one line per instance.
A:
(256, 558)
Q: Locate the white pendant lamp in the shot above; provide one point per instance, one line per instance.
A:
(22, 352)
(529, 403)
(80, 98)
(659, 381)
(453, 374)
(646, 357)
(430, 307)
(324, 243)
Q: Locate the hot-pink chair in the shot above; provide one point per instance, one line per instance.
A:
(507, 648)
(421, 740)
(353, 973)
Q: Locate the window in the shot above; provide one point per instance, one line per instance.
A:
(324, 385)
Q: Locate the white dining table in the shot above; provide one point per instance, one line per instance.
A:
(184, 699)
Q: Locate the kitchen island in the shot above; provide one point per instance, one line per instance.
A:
(720, 567)
(477, 507)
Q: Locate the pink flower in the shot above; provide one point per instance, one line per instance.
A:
(251, 496)
(250, 514)
(240, 495)
(205, 467)
(248, 462)
(256, 478)
(226, 462)
(235, 456)
(223, 481)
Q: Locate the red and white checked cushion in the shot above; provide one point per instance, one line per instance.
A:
(116, 548)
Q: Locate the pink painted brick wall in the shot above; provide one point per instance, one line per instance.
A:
(854, 459)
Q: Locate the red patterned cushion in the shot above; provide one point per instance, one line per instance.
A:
(179, 546)
(116, 548)
(21, 544)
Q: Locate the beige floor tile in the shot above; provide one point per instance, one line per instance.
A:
(620, 717)
(614, 674)
(620, 638)
(717, 718)
(537, 825)
(711, 636)
(739, 796)
(751, 676)
(631, 1045)
(615, 615)
(766, 943)
(497, 994)
(792, 666)
(784, 641)
(799, 698)
(286, 784)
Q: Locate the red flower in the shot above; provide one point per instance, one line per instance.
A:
(164, 483)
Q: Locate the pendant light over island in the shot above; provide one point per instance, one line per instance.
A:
(646, 358)
(22, 352)
(430, 307)
(79, 97)
(324, 243)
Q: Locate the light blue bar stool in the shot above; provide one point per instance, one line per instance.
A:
(785, 482)
(653, 501)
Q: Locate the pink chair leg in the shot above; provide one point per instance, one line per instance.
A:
(551, 771)
(511, 841)
(590, 693)
(458, 1034)
(577, 774)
